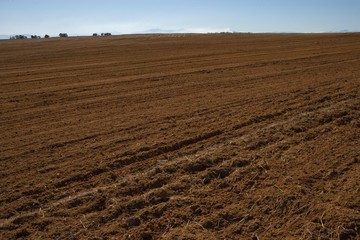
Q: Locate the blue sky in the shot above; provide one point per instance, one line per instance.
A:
(84, 17)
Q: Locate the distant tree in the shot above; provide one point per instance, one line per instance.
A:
(95, 35)
(107, 34)
(46, 36)
(19, 37)
(63, 35)
(35, 36)
(102, 34)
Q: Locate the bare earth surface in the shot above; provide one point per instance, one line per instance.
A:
(181, 137)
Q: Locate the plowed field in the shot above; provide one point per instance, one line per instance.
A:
(228, 136)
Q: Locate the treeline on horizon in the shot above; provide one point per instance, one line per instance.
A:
(62, 35)
(105, 34)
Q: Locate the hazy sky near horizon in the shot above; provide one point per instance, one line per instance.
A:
(84, 17)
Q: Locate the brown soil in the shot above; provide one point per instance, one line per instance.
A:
(181, 137)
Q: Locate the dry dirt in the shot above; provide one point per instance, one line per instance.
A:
(243, 136)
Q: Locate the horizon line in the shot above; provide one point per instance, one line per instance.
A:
(5, 36)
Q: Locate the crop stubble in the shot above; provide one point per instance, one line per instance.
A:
(181, 137)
